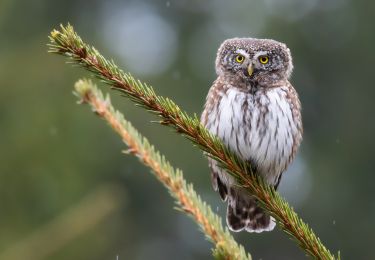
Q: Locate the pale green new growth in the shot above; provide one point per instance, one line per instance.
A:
(184, 193)
(68, 43)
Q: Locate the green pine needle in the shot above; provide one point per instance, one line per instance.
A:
(187, 199)
(67, 42)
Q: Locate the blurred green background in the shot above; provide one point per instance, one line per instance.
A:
(67, 192)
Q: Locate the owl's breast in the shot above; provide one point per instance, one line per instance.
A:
(259, 127)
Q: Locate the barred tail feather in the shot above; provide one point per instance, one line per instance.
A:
(243, 213)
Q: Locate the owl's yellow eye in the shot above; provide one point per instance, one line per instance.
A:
(240, 58)
(263, 59)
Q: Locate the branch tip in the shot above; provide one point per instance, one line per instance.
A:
(66, 42)
(186, 197)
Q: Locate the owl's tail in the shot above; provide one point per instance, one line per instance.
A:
(243, 213)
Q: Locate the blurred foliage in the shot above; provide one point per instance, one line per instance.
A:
(65, 41)
(54, 154)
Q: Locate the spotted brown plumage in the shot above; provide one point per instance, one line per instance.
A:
(255, 111)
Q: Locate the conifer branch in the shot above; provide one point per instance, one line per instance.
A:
(186, 197)
(67, 42)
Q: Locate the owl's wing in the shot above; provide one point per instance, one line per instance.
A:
(210, 107)
(217, 183)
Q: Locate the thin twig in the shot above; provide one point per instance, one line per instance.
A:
(66, 42)
(188, 200)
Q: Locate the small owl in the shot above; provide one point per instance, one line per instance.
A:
(255, 111)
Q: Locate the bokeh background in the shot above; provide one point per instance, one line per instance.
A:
(67, 192)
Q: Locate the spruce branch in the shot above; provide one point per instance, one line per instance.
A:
(67, 42)
(186, 197)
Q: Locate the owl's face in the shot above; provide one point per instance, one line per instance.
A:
(254, 60)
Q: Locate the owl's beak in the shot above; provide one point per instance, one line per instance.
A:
(250, 69)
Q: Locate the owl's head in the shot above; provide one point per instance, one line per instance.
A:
(250, 59)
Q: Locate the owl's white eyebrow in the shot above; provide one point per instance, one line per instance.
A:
(242, 52)
(260, 53)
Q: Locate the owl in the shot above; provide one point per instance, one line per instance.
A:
(253, 108)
